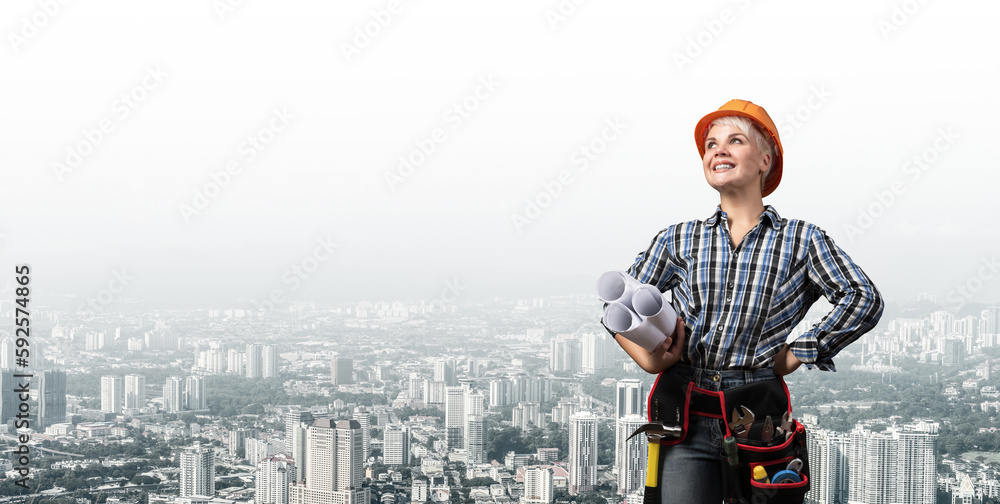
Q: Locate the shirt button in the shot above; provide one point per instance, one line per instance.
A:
(729, 299)
(731, 285)
(720, 327)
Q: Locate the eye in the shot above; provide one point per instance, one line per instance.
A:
(737, 140)
(709, 145)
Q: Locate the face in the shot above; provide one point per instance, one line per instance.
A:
(732, 162)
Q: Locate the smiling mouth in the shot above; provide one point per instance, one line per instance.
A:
(723, 167)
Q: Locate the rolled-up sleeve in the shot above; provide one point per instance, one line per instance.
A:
(857, 304)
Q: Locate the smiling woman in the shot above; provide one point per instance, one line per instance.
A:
(740, 281)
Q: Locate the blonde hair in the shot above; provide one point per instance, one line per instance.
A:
(759, 138)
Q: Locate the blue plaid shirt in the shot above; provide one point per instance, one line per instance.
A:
(739, 305)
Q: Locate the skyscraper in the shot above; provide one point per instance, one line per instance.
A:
(135, 391)
(342, 371)
(194, 393)
(197, 471)
(296, 425)
(254, 361)
(538, 485)
(454, 417)
(444, 370)
(111, 394)
(597, 351)
(363, 418)
(829, 466)
(397, 445)
(334, 471)
(173, 396)
(630, 456)
(50, 386)
(564, 353)
(630, 398)
(896, 466)
(582, 452)
(8, 402)
(274, 473)
(475, 439)
(6, 353)
(269, 358)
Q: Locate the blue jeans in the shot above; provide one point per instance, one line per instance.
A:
(692, 470)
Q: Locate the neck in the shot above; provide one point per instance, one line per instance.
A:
(742, 210)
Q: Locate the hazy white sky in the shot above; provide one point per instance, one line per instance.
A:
(118, 118)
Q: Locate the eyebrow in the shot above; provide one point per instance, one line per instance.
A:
(731, 135)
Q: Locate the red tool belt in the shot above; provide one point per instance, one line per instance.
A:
(759, 431)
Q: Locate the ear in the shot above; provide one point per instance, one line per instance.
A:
(767, 163)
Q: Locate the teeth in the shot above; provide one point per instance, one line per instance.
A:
(724, 166)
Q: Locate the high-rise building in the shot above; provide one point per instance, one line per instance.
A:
(296, 424)
(334, 471)
(197, 471)
(254, 361)
(419, 490)
(6, 353)
(342, 371)
(630, 456)
(256, 450)
(538, 485)
(500, 392)
(829, 466)
(274, 474)
(173, 395)
(475, 439)
(444, 370)
(135, 391)
(434, 392)
(50, 387)
(630, 398)
(8, 402)
(234, 361)
(896, 466)
(363, 418)
(582, 452)
(237, 441)
(527, 415)
(564, 353)
(597, 351)
(397, 445)
(415, 386)
(269, 358)
(562, 412)
(194, 393)
(454, 417)
(111, 394)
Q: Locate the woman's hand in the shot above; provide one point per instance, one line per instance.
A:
(663, 357)
(785, 362)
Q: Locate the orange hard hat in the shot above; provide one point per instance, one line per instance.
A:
(755, 113)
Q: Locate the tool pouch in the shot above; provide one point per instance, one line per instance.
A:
(764, 398)
(669, 402)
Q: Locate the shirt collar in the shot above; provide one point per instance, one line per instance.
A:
(770, 214)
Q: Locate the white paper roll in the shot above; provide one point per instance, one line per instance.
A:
(650, 305)
(617, 287)
(622, 320)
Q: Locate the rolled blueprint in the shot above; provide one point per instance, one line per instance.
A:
(617, 287)
(649, 303)
(620, 319)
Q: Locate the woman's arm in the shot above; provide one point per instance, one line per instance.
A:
(660, 359)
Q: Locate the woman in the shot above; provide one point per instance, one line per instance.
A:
(740, 281)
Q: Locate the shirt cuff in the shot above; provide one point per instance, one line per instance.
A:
(805, 348)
